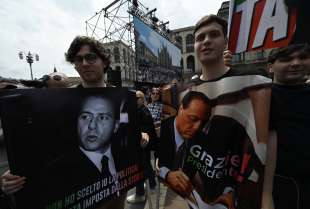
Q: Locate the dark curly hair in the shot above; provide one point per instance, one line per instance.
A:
(94, 45)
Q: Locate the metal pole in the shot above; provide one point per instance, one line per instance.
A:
(31, 71)
(114, 2)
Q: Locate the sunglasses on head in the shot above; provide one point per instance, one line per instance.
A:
(90, 58)
(55, 77)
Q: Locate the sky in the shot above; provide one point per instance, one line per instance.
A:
(47, 27)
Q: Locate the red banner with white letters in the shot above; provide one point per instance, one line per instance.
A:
(260, 24)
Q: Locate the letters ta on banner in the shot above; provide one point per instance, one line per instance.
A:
(260, 24)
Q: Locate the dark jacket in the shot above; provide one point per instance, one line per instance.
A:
(147, 126)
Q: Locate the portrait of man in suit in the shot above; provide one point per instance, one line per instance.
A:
(96, 124)
(98, 157)
(177, 133)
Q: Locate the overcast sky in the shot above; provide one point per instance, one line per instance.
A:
(47, 27)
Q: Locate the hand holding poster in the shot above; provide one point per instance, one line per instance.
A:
(260, 24)
(77, 148)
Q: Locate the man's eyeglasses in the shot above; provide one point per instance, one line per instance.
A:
(153, 93)
(91, 58)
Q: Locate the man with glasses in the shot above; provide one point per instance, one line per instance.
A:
(90, 61)
(87, 56)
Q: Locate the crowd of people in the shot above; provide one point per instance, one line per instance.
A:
(155, 75)
(201, 121)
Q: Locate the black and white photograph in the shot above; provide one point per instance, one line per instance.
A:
(76, 147)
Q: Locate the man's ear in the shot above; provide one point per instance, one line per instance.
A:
(116, 126)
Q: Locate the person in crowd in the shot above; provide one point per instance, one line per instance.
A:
(155, 106)
(227, 134)
(90, 61)
(6, 83)
(144, 114)
(16, 181)
(289, 135)
(55, 80)
(7, 201)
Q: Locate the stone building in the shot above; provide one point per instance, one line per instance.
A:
(122, 61)
(184, 39)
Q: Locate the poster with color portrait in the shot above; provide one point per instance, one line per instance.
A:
(213, 152)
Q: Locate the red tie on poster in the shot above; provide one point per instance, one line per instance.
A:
(260, 24)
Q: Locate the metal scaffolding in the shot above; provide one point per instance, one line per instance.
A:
(114, 23)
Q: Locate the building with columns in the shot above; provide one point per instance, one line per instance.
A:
(122, 59)
(184, 39)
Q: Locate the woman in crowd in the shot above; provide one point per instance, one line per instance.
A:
(155, 106)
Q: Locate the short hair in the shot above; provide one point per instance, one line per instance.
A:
(286, 51)
(191, 95)
(140, 93)
(116, 110)
(94, 45)
(208, 19)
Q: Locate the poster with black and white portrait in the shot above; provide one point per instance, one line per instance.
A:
(77, 148)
